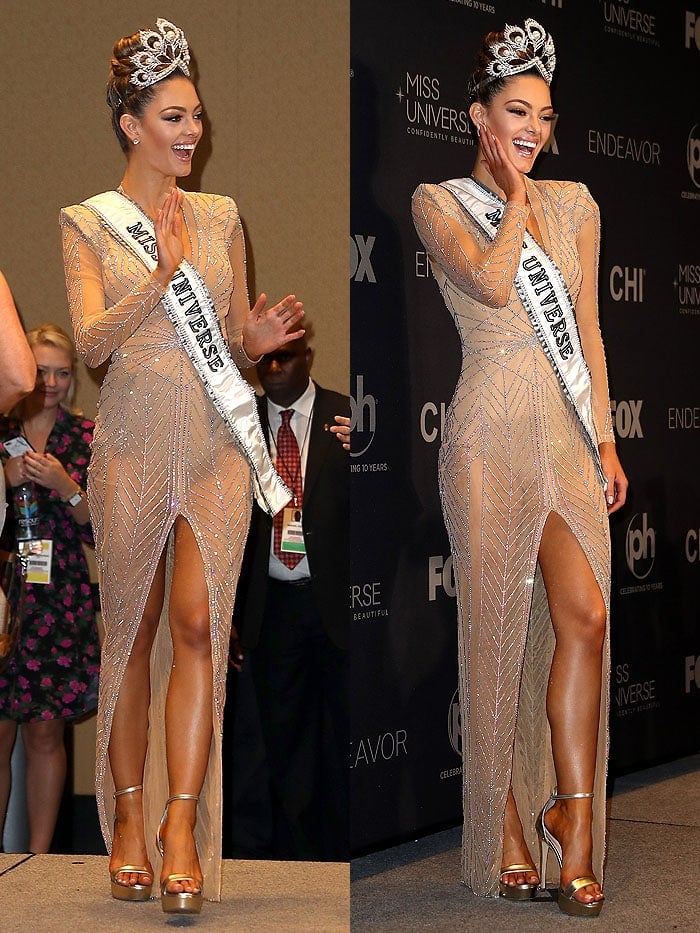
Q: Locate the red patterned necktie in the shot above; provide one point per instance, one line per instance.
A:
(288, 465)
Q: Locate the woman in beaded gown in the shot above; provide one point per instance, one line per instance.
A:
(170, 492)
(522, 492)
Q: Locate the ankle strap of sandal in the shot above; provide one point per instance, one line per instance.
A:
(570, 796)
(181, 797)
(127, 790)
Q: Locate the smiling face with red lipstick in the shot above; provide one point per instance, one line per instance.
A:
(520, 117)
(168, 129)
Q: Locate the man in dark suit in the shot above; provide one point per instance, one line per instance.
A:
(292, 613)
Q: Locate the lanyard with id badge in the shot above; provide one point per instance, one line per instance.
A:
(289, 464)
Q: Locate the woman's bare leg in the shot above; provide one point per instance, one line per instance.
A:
(45, 753)
(8, 734)
(574, 692)
(129, 739)
(189, 706)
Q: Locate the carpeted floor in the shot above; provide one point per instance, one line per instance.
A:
(651, 884)
(55, 893)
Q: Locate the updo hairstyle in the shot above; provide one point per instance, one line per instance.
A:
(484, 94)
(122, 96)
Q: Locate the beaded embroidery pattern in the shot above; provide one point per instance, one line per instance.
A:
(160, 450)
(512, 452)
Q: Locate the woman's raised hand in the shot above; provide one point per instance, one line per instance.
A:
(266, 329)
(168, 228)
(500, 167)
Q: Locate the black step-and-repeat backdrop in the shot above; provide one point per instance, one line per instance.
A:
(628, 92)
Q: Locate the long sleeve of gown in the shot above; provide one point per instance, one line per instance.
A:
(240, 302)
(588, 243)
(483, 269)
(99, 330)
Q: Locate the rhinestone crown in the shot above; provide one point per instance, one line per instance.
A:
(522, 48)
(164, 50)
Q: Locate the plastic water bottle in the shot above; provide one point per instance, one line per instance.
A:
(26, 512)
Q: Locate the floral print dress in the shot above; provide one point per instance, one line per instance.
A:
(54, 672)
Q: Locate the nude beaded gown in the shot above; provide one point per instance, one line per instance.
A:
(160, 451)
(513, 451)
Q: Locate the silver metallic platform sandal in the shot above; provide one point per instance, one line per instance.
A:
(130, 892)
(566, 897)
(183, 902)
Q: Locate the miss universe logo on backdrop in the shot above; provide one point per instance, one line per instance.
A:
(687, 287)
(624, 19)
(420, 98)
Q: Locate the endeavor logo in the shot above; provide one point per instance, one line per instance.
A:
(373, 749)
(454, 724)
(427, 116)
(363, 418)
(640, 547)
(619, 146)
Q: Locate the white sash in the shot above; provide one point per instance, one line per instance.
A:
(546, 298)
(191, 311)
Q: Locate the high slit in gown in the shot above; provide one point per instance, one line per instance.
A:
(160, 451)
(513, 452)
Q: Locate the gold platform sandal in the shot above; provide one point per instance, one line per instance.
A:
(566, 897)
(184, 902)
(130, 892)
(517, 892)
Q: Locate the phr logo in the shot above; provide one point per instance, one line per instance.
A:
(640, 547)
(693, 155)
(454, 724)
(363, 417)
